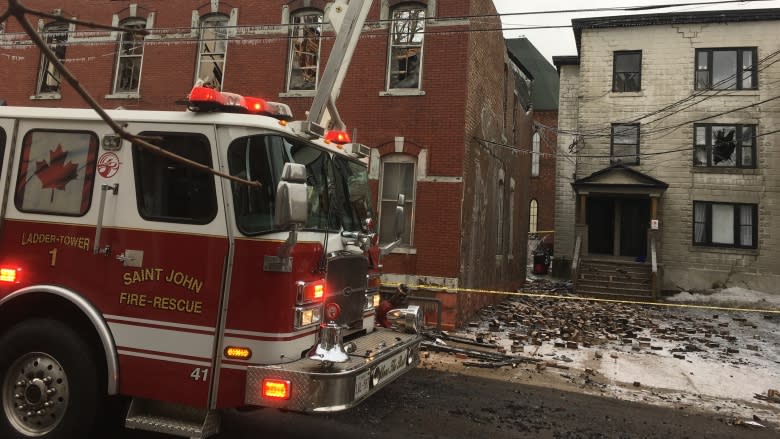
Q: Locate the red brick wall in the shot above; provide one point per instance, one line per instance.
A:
(542, 188)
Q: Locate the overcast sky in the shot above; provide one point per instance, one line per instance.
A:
(557, 42)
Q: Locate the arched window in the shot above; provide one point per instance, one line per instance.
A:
(533, 221)
(536, 144)
(212, 51)
(500, 215)
(404, 66)
(130, 55)
(49, 78)
(399, 173)
(305, 44)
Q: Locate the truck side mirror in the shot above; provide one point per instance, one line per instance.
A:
(399, 222)
(291, 204)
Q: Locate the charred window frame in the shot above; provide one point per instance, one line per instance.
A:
(724, 146)
(726, 69)
(49, 78)
(212, 51)
(405, 55)
(304, 51)
(725, 224)
(130, 55)
(627, 71)
(170, 191)
(399, 173)
(624, 146)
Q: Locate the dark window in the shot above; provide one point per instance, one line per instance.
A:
(726, 69)
(625, 144)
(261, 158)
(627, 68)
(49, 78)
(731, 146)
(56, 172)
(353, 193)
(2, 147)
(725, 224)
(170, 191)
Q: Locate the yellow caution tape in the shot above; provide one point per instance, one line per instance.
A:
(589, 299)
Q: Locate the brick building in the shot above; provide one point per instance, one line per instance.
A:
(543, 78)
(441, 107)
(668, 153)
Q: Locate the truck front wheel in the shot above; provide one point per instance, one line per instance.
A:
(51, 387)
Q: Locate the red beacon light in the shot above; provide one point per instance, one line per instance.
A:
(337, 137)
(204, 99)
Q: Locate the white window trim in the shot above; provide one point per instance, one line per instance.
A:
(536, 143)
(401, 158)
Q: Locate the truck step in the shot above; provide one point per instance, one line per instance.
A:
(173, 419)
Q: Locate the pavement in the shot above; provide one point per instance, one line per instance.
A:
(699, 351)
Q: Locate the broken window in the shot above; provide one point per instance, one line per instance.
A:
(627, 71)
(724, 145)
(625, 144)
(212, 51)
(305, 44)
(536, 145)
(406, 47)
(725, 224)
(726, 69)
(49, 78)
(131, 53)
(398, 177)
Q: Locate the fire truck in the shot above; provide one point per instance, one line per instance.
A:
(126, 271)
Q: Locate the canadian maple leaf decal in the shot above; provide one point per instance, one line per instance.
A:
(56, 173)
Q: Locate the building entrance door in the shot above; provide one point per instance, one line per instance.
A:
(601, 225)
(634, 221)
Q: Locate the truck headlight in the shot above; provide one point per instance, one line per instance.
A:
(408, 319)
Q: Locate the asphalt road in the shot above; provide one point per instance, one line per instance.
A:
(434, 404)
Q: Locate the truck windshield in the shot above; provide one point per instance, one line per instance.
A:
(338, 189)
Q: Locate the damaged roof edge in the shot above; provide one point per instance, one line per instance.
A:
(731, 16)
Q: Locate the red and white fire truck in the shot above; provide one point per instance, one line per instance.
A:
(127, 272)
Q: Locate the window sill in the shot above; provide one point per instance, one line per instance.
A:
(298, 94)
(724, 250)
(627, 94)
(46, 96)
(400, 92)
(711, 92)
(123, 96)
(404, 251)
(716, 170)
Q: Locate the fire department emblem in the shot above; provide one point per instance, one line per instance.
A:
(108, 165)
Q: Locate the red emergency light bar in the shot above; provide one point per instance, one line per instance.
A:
(204, 99)
(337, 137)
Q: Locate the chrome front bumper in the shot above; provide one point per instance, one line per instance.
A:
(379, 358)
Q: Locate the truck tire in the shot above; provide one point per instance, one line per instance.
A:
(51, 386)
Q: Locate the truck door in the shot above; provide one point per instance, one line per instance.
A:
(163, 248)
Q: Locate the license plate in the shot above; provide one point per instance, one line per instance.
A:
(384, 371)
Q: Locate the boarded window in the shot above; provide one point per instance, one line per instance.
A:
(627, 66)
(56, 172)
(170, 191)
